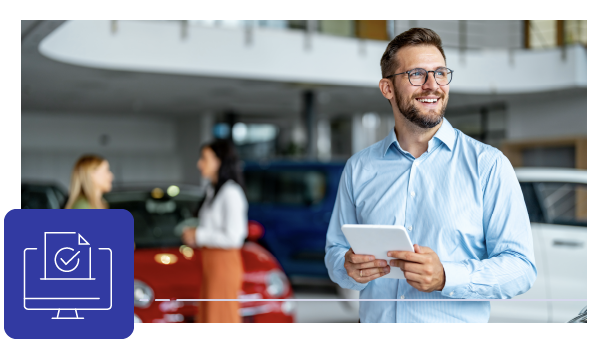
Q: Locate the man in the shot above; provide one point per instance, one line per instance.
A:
(459, 199)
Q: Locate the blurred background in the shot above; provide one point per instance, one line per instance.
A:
(298, 98)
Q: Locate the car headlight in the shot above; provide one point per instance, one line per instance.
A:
(276, 283)
(136, 319)
(142, 294)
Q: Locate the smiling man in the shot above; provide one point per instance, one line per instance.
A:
(459, 199)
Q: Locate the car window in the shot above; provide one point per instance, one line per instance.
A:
(286, 187)
(534, 210)
(35, 199)
(563, 203)
(155, 220)
(41, 197)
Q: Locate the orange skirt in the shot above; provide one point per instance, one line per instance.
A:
(222, 279)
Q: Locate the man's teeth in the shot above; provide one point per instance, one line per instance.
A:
(427, 100)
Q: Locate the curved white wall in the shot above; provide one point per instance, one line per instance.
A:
(281, 55)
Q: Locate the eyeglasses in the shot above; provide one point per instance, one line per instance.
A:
(419, 76)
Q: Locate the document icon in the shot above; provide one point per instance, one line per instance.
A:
(67, 255)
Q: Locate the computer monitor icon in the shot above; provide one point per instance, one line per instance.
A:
(66, 275)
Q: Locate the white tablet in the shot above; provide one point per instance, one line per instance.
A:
(377, 240)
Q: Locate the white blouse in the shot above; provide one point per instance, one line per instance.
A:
(223, 222)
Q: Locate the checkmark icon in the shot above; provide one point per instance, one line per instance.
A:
(72, 258)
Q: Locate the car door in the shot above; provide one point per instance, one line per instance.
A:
(300, 219)
(564, 239)
(290, 202)
(532, 310)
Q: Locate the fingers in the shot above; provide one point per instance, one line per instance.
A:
(413, 267)
(364, 276)
(358, 258)
(419, 278)
(371, 264)
(370, 278)
(409, 256)
(423, 249)
(372, 271)
(364, 268)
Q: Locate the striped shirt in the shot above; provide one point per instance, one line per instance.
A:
(460, 198)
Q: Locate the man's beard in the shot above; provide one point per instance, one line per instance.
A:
(409, 111)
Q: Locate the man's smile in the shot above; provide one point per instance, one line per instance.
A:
(428, 101)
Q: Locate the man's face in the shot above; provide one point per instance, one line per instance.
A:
(416, 102)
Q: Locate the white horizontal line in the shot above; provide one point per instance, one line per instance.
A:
(67, 278)
(369, 300)
(59, 298)
(60, 233)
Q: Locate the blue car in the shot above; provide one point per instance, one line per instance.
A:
(294, 202)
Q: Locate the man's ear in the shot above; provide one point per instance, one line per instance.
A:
(386, 87)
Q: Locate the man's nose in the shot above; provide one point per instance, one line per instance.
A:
(430, 83)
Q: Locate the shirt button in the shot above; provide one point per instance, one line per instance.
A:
(413, 194)
(415, 163)
(452, 293)
(409, 228)
(402, 297)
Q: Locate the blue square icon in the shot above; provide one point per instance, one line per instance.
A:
(68, 273)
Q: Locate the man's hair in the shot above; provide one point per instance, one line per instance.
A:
(412, 37)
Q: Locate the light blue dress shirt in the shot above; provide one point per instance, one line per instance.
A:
(462, 199)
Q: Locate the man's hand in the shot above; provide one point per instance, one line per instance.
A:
(422, 269)
(364, 268)
(189, 237)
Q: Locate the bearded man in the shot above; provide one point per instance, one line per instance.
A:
(458, 198)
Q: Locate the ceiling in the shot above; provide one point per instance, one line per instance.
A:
(51, 86)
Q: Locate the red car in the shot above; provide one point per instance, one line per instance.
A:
(167, 269)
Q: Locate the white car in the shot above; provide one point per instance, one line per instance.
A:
(557, 205)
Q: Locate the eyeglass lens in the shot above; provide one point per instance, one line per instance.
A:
(443, 76)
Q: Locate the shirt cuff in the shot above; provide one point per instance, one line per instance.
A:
(200, 235)
(350, 282)
(456, 279)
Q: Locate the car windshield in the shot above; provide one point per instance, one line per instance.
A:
(157, 222)
(285, 187)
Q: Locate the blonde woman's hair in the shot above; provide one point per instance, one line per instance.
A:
(81, 184)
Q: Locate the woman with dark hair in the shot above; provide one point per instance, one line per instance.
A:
(221, 232)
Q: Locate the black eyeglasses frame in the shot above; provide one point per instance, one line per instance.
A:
(426, 78)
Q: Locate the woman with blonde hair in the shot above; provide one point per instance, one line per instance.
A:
(91, 178)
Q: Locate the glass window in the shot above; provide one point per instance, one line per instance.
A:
(534, 210)
(344, 28)
(563, 203)
(542, 33)
(286, 187)
(575, 31)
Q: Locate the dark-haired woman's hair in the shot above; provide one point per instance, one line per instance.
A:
(230, 167)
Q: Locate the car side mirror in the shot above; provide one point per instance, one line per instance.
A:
(256, 231)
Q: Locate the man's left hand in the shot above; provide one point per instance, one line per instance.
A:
(422, 269)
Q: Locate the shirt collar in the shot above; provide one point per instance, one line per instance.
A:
(445, 134)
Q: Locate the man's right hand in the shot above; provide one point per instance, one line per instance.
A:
(364, 268)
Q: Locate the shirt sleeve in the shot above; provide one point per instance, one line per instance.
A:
(509, 269)
(336, 244)
(232, 230)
